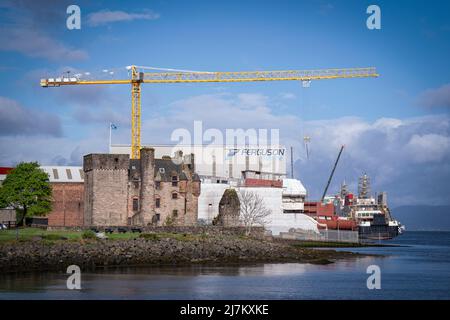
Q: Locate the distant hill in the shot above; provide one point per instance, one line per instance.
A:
(423, 218)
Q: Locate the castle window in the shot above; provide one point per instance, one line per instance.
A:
(158, 217)
(174, 195)
(55, 174)
(157, 185)
(135, 204)
(175, 213)
(174, 181)
(69, 174)
(158, 202)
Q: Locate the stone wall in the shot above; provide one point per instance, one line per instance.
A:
(106, 194)
(229, 209)
(185, 204)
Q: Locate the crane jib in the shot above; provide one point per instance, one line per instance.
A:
(138, 77)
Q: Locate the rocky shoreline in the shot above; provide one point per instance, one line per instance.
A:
(42, 255)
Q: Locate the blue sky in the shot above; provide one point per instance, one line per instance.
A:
(406, 109)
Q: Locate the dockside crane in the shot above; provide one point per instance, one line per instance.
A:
(332, 173)
(137, 76)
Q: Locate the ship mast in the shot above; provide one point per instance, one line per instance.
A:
(364, 187)
(344, 190)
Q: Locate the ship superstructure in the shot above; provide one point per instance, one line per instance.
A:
(368, 214)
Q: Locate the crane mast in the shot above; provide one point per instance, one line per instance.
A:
(139, 77)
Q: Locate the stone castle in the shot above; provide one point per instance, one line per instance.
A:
(121, 191)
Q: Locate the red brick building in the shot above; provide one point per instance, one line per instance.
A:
(68, 196)
(68, 193)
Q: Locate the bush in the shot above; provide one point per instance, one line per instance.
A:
(170, 221)
(149, 236)
(52, 237)
(88, 234)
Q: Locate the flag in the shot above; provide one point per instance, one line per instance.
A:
(113, 126)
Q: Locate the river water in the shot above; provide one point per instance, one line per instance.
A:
(419, 269)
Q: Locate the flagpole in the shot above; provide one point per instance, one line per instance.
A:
(110, 125)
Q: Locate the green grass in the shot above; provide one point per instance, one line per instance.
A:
(122, 236)
(27, 234)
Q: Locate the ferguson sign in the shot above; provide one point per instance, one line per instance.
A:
(268, 152)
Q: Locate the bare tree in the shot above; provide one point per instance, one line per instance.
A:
(253, 210)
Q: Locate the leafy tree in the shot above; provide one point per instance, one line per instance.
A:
(27, 189)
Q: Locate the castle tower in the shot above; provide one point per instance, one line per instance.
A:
(147, 192)
(105, 183)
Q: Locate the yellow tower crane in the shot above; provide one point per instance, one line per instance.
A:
(137, 77)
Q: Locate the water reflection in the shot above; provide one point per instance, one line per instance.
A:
(419, 271)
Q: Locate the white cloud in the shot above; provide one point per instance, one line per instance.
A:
(288, 96)
(252, 100)
(219, 111)
(428, 147)
(31, 27)
(51, 150)
(106, 17)
(404, 157)
(387, 123)
(34, 43)
(18, 120)
(436, 97)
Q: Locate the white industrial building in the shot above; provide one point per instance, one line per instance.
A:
(286, 204)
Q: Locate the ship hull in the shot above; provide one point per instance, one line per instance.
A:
(378, 232)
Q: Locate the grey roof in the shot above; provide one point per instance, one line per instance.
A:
(169, 167)
(183, 176)
(64, 173)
